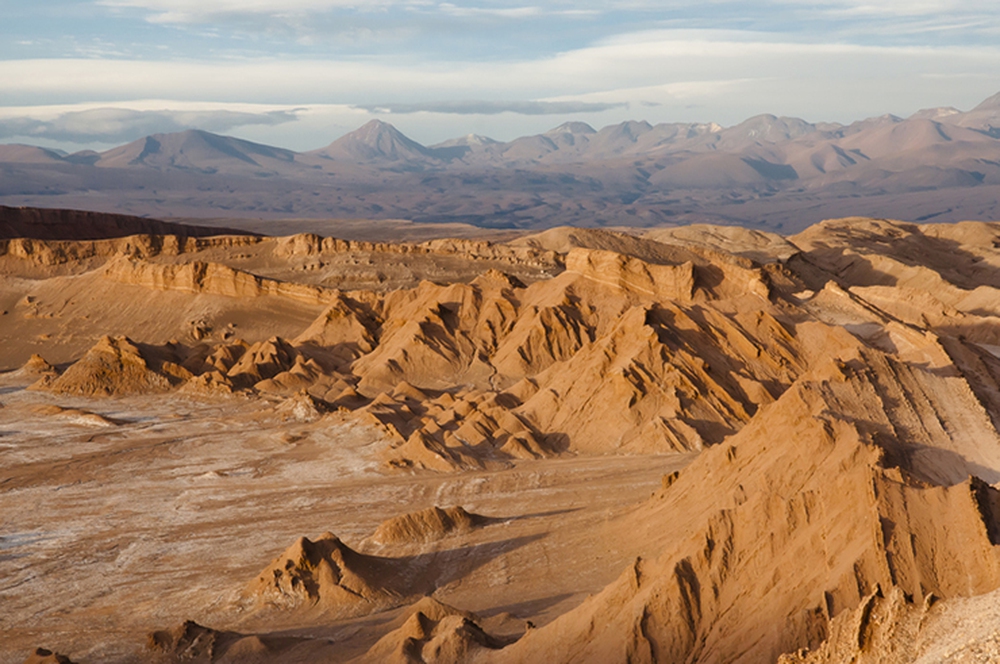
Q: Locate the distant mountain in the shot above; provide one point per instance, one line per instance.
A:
(469, 140)
(912, 136)
(201, 151)
(616, 139)
(781, 172)
(985, 117)
(29, 154)
(989, 104)
(939, 113)
(458, 148)
(571, 128)
(376, 142)
(766, 129)
(866, 125)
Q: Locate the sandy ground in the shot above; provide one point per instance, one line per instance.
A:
(167, 511)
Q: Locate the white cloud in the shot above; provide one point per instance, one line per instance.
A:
(888, 7)
(857, 15)
(653, 58)
(110, 124)
(195, 11)
(658, 75)
(480, 107)
(680, 91)
(201, 9)
(502, 12)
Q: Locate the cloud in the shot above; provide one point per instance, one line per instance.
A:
(352, 26)
(119, 125)
(642, 59)
(495, 107)
(190, 11)
(492, 30)
(197, 11)
(501, 12)
(185, 11)
(894, 8)
(722, 76)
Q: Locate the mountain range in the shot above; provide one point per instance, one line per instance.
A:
(778, 173)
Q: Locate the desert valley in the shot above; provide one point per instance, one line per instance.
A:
(499, 332)
(440, 443)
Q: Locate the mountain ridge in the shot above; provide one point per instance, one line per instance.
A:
(769, 170)
(378, 139)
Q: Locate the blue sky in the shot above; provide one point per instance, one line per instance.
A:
(300, 73)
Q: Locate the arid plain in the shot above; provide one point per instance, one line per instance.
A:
(699, 444)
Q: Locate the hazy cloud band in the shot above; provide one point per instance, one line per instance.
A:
(495, 107)
(117, 125)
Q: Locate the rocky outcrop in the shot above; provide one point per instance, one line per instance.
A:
(115, 366)
(346, 325)
(43, 252)
(327, 576)
(310, 244)
(433, 632)
(842, 402)
(660, 282)
(213, 278)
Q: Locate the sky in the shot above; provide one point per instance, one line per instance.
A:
(91, 74)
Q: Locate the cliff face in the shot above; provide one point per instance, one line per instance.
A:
(46, 252)
(211, 278)
(661, 282)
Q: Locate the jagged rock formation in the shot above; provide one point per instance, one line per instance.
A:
(891, 628)
(191, 642)
(427, 631)
(839, 389)
(35, 370)
(264, 360)
(513, 349)
(811, 524)
(881, 629)
(433, 632)
(711, 331)
(115, 366)
(347, 326)
(327, 576)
